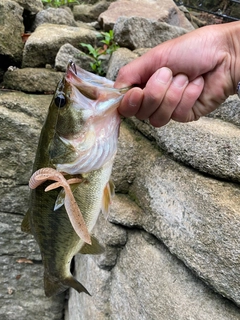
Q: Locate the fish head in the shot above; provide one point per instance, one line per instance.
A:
(87, 121)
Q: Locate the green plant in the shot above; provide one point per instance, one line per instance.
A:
(108, 47)
(59, 3)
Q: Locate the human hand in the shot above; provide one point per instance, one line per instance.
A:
(184, 78)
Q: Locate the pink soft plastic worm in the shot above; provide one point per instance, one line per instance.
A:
(72, 209)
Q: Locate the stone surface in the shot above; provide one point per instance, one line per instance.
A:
(89, 12)
(55, 16)
(147, 282)
(121, 57)
(131, 148)
(45, 42)
(118, 59)
(33, 6)
(152, 10)
(21, 277)
(196, 216)
(11, 27)
(36, 80)
(21, 118)
(68, 52)
(229, 111)
(209, 145)
(136, 32)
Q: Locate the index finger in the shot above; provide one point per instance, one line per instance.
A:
(137, 72)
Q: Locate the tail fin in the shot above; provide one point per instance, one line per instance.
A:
(54, 286)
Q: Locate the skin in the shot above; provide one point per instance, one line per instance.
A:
(184, 78)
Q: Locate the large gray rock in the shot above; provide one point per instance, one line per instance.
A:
(118, 59)
(38, 80)
(21, 118)
(136, 32)
(229, 111)
(121, 57)
(89, 12)
(145, 282)
(158, 10)
(45, 42)
(33, 6)
(68, 52)
(196, 216)
(55, 16)
(209, 145)
(11, 28)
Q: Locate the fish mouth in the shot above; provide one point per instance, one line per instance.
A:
(75, 71)
(92, 92)
(91, 85)
(74, 76)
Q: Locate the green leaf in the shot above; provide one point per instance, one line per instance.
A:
(58, 3)
(93, 66)
(90, 48)
(109, 47)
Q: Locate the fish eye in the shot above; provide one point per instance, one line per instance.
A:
(60, 100)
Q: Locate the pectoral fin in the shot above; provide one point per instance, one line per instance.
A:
(108, 193)
(94, 248)
(74, 183)
(60, 200)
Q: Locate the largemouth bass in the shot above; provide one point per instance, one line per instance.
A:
(76, 149)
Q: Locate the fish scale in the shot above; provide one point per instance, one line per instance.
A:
(83, 104)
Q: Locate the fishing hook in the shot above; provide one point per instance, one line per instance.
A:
(72, 65)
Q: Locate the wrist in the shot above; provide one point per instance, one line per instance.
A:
(233, 41)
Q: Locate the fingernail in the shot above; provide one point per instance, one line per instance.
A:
(132, 100)
(164, 75)
(198, 81)
(180, 80)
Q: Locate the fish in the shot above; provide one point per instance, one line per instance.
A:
(71, 178)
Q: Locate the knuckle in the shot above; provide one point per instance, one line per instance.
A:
(172, 98)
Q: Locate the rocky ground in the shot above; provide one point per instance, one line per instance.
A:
(172, 249)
